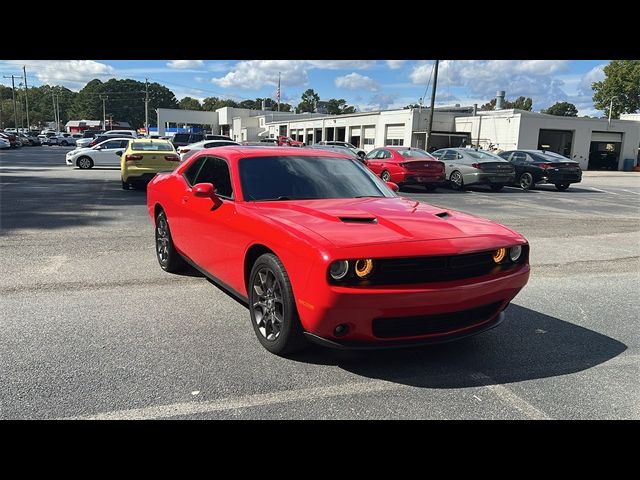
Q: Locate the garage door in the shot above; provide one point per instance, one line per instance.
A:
(395, 131)
(355, 131)
(609, 137)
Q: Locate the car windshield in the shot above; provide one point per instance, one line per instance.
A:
(307, 177)
(414, 152)
(480, 155)
(157, 146)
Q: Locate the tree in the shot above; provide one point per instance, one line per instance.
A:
(309, 100)
(214, 103)
(339, 107)
(622, 80)
(562, 109)
(521, 103)
(412, 105)
(190, 103)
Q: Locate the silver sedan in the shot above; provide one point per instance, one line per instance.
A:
(467, 166)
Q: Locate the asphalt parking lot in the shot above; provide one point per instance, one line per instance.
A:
(93, 328)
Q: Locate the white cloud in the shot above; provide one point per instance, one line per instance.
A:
(537, 79)
(355, 81)
(73, 74)
(199, 79)
(395, 64)
(184, 64)
(342, 64)
(255, 74)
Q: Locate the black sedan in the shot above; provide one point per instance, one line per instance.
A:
(537, 166)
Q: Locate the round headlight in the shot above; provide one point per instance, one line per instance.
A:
(499, 255)
(364, 267)
(339, 269)
(515, 252)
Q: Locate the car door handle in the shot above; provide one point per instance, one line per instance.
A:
(185, 199)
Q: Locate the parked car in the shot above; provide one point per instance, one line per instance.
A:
(143, 158)
(211, 136)
(358, 151)
(121, 133)
(467, 166)
(406, 166)
(537, 166)
(184, 139)
(92, 133)
(4, 143)
(105, 154)
(66, 139)
(187, 151)
(28, 139)
(12, 138)
(92, 142)
(284, 140)
(321, 249)
(337, 148)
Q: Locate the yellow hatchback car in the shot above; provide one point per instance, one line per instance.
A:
(143, 158)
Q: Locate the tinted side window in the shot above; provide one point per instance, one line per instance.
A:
(192, 170)
(216, 171)
(113, 144)
(449, 155)
(124, 143)
(518, 157)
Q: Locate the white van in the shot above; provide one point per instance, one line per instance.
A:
(120, 133)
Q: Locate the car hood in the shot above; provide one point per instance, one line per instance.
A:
(367, 221)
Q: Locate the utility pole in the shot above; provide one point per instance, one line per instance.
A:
(146, 107)
(104, 117)
(278, 91)
(13, 89)
(55, 112)
(58, 110)
(433, 102)
(26, 96)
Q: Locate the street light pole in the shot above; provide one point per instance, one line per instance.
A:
(433, 102)
(26, 96)
(610, 109)
(15, 109)
(146, 107)
(104, 117)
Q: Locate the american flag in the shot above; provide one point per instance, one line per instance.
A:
(278, 91)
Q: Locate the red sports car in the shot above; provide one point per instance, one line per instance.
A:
(406, 166)
(319, 248)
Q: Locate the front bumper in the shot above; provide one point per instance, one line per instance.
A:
(321, 310)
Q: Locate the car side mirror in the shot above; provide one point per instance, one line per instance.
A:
(205, 190)
(393, 186)
(119, 153)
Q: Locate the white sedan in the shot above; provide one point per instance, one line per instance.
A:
(4, 143)
(188, 150)
(104, 154)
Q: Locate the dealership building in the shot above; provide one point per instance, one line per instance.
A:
(579, 138)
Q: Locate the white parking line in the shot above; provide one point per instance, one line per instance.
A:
(193, 408)
(598, 190)
(510, 398)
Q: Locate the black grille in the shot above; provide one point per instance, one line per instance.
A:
(432, 324)
(407, 270)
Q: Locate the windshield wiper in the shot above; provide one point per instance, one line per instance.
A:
(285, 197)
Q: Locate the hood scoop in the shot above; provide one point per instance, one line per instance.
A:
(442, 215)
(367, 220)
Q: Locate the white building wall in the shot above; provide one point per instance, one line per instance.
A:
(500, 130)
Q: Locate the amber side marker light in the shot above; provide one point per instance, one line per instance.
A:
(364, 267)
(499, 255)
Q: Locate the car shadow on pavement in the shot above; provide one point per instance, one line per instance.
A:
(528, 345)
(36, 202)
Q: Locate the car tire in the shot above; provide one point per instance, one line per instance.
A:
(125, 185)
(84, 163)
(272, 307)
(64, 143)
(526, 181)
(362, 154)
(456, 180)
(385, 176)
(430, 188)
(496, 188)
(562, 186)
(168, 257)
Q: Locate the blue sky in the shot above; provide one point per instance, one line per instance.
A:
(366, 84)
